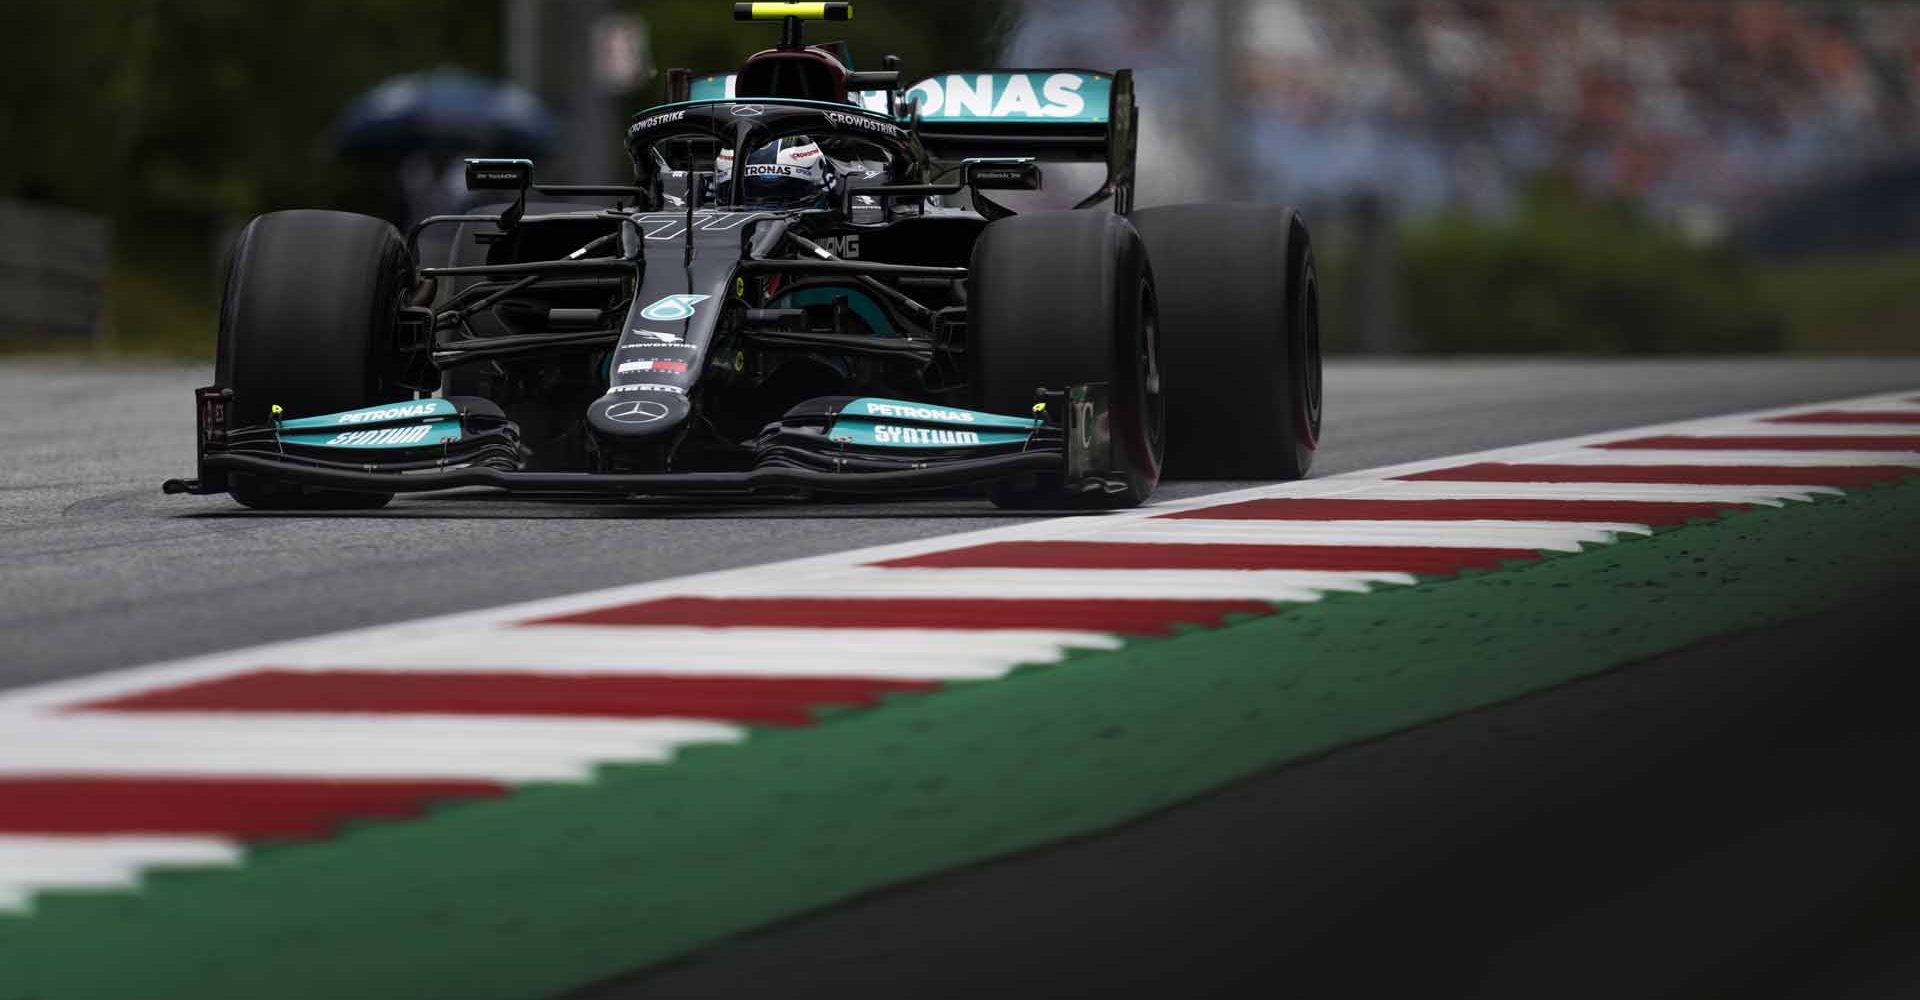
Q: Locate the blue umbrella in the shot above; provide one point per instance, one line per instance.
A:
(444, 109)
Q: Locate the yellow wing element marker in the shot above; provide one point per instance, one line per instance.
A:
(804, 11)
(276, 411)
(1039, 409)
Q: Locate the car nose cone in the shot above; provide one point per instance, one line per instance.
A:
(638, 411)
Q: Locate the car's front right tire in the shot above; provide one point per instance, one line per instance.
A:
(307, 324)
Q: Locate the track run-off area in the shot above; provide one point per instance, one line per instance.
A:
(520, 799)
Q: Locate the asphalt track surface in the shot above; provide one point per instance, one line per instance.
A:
(98, 570)
(1591, 840)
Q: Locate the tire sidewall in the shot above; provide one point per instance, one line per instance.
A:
(1061, 298)
(1239, 339)
(306, 322)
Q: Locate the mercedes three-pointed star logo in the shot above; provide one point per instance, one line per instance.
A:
(636, 411)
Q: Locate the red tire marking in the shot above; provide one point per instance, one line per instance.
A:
(1849, 417)
(767, 700)
(1843, 476)
(250, 808)
(1127, 555)
(1652, 512)
(1762, 442)
(1094, 615)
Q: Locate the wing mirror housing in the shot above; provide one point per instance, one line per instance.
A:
(1009, 174)
(499, 175)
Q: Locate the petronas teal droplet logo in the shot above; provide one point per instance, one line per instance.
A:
(673, 308)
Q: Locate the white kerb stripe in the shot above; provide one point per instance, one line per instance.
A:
(29, 863)
(1552, 536)
(1751, 428)
(1708, 456)
(904, 654)
(1152, 584)
(299, 744)
(1440, 489)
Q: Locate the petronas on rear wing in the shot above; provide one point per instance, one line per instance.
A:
(1048, 114)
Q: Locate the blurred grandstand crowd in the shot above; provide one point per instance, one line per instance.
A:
(1703, 110)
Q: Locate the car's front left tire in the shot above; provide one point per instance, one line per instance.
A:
(1061, 298)
(1240, 339)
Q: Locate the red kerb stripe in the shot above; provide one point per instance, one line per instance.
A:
(1655, 512)
(1120, 555)
(1124, 616)
(768, 700)
(1768, 442)
(1843, 476)
(250, 808)
(1850, 417)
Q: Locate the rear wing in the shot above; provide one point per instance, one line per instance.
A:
(1074, 115)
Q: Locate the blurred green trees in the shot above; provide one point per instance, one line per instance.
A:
(1570, 273)
(188, 112)
(179, 119)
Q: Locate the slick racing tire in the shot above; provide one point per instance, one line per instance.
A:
(1239, 339)
(307, 324)
(1060, 298)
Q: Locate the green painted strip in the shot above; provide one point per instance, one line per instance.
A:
(560, 885)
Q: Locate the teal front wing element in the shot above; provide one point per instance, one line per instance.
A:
(373, 416)
(397, 436)
(883, 435)
(898, 423)
(898, 411)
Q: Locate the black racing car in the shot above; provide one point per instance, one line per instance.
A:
(813, 285)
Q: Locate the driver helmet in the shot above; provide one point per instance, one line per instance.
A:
(786, 173)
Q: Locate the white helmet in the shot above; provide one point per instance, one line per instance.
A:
(787, 173)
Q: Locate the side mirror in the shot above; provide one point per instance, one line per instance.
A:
(499, 175)
(503, 175)
(1003, 175)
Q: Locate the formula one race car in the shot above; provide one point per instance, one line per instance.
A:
(808, 288)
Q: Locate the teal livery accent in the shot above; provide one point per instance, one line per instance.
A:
(886, 435)
(415, 423)
(712, 87)
(373, 416)
(1057, 96)
(402, 436)
(1040, 96)
(900, 411)
(893, 423)
(858, 302)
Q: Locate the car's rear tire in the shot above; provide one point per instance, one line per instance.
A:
(1060, 298)
(1239, 339)
(307, 325)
